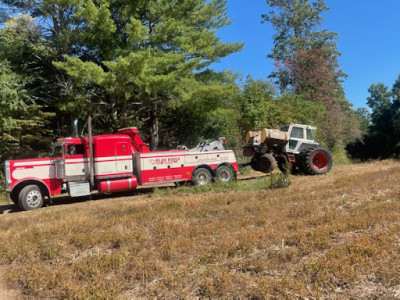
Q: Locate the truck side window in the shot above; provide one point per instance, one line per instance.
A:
(57, 151)
(76, 149)
(297, 133)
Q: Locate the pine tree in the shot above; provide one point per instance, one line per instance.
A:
(149, 55)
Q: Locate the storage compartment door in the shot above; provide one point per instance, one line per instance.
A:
(123, 158)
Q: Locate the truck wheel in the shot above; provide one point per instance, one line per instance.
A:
(316, 161)
(30, 197)
(201, 176)
(224, 173)
(266, 163)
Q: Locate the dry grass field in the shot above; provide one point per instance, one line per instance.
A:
(332, 236)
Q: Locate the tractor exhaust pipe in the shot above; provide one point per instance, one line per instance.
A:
(91, 162)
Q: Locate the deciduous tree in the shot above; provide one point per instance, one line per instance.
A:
(306, 60)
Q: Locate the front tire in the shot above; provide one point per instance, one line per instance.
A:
(224, 174)
(316, 161)
(30, 198)
(266, 163)
(201, 177)
(254, 163)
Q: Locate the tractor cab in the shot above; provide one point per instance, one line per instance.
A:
(300, 137)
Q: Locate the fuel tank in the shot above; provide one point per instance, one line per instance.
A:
(117, 185)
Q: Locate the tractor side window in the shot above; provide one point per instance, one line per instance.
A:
(310, 135)
(76, 149)
(297, 133)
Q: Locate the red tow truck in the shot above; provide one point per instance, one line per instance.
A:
(111, 163)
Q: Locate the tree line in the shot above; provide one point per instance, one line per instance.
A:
(148, 63)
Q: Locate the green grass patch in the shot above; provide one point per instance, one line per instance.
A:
(273, 181)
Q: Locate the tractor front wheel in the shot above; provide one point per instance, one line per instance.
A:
(254, 163)
(266, 163)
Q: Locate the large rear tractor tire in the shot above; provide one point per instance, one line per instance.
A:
(316, 161)
(30, 198)
(266, 163)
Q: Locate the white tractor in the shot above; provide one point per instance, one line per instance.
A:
(292, 146)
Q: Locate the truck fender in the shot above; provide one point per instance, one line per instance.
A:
(27, 181)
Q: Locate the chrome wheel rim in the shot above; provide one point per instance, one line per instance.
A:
(33, 198)
(224, 175)
(202, 178)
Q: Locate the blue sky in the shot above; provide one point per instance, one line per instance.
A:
(369, 40)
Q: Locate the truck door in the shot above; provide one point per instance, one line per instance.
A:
(76, 162)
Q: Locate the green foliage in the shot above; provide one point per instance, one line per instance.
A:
(307, 66)
(364, 116)
(274, 181)
(210, 112)
(296, 23)
(126, 63)
(158, 47)
(382, 138)
(257, 105)
(261, 107)
(24, 126)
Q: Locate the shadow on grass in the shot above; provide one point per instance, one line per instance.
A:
(9, 208)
